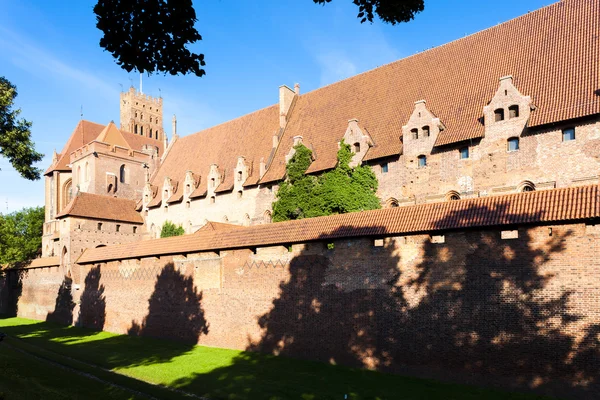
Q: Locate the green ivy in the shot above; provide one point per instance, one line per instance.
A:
(341, 190)
(170, 229)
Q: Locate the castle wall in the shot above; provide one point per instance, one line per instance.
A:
(514, 306)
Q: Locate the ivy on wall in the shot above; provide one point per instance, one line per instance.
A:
(341, 190)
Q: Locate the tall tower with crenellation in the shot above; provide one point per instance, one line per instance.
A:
(142, 114)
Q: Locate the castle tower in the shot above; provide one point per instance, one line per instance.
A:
(142, 114)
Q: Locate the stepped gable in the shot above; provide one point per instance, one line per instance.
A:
(552, 53)
(250, 136)
(84, 132)
(554, 205)
(95, 206)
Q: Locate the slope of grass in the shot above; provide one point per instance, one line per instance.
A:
(230, 374)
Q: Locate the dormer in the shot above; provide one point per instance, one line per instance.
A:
(213, 178)
(167, 189)
(359, 140)
(190, 183)
(147, 194)
(290, 154)
(508, 111)
(421, 130)
(241, 173)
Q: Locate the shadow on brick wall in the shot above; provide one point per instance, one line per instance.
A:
(64, 305)
(174, 309)
(92, 310)
(11, 288)
(475, 309)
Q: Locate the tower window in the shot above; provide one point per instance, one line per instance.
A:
(414, 133)
(384, 168)
(422, 161)
(513, 144)
(464, 152)
(513, 111)
(568, 134)
(499, 115)
(426, 131)
(122, 173)
(357, 147)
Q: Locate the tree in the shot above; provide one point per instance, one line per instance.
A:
(152, 35)
(341, 190)
(170, 229)
(21, 235)
(15, 135)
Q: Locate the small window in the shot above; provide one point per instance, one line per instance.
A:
(425, 131)
(384, 168)
(136, 129)
(422, 161)
(188, 204)
(357, 147)
(166, 194)
(212, 200)
(568, 134)
(240, 194)
(150, 117)
(118, 228)
(464, 152)
(141, 130)
(513, 144)
(188, 188)
(499, 114)
(99, 226)
(414, 133)
(122, 174)
(212, 182)
(513, 111)
(454, 197)
(135, 229)
(166, 208)
(528, 188)
(239, 176)
(150, 133)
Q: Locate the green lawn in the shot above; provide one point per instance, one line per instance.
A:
(210, 372)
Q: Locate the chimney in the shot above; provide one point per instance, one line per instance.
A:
(297, 89)
(262, 167)
(286, 95)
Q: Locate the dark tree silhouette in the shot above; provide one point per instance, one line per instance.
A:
(11, 287)
(153, 35)
(92, 311)
(174, 309)
(63, 308)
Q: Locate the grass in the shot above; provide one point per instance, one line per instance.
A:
(218, 373)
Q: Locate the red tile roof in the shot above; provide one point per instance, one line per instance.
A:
(87, 131)
(95, 206)
(40, 263)
(552, 53)
(218, 226)
(556, 205)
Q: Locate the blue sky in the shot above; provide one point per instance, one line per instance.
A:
(49, 49)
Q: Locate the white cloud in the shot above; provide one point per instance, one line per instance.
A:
(28, 56)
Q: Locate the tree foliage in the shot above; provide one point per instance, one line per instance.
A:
(390, 11)
(15, 134)
(341, 190)
(150, 35)
(21, 235)
(153, 35)
(170, 229)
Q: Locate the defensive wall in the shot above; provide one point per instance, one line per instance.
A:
(500, 290)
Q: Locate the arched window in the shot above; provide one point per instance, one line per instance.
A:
(212, 182)
(513, 144)
(499, 114)
(426, 131)
(246, 220)
(122, 174)
(240, 194)
(136, 129)
(414, 133)
(156, 134)
(188, 188)
(79, 176)
(452, 195)
(513, 111)
(68, 192)
(267, 217)
(422, 161)
(357, 147)
(212, 199)
(87, 171)
(392, 203)
(526, 186)
(150, 133)
(150, 117)
(188, 204)
(141, 130)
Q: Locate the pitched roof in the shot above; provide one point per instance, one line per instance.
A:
(86, 132)
(95, 206)
(556, 205)
(218, 226)
(552, 53)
